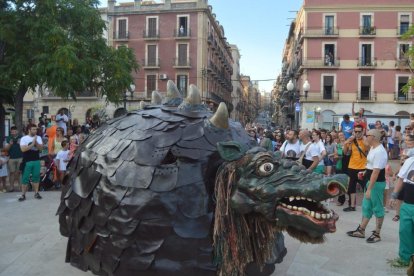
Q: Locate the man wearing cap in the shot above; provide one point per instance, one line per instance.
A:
(373, 202)
(347, 126)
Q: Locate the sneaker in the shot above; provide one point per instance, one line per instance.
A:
(22, 198)
(375, 237)
(349, 209)
(37, 196)
(358, 233)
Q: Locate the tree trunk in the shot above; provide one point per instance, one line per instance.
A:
(2, 119)
(18, 107)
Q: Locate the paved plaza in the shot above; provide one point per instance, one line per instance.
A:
(31, 244)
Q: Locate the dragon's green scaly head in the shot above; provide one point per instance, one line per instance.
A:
(280, 191)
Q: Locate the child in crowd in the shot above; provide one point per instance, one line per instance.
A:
(43, 169)
(62, 159)
(72, 146)
(4, 173)
(389, 180)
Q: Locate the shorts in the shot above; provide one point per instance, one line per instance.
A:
(14, 164)
(375, 205)
(328, 162)
(401, 194)
(353, 180)
(390, 146)
(32, 168)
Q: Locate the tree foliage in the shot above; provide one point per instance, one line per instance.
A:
(409, 35)
(59, 44)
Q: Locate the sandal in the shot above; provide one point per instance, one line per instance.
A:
(397, 263)
(396, 218)
(358, 233)
(375, 237)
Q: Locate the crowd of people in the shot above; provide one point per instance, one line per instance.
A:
(36, 157)
(363, 152)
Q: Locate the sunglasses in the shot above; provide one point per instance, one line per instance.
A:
(357, 131)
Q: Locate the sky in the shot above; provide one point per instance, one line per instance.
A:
(259, 28)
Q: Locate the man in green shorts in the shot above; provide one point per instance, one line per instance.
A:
(31, 145)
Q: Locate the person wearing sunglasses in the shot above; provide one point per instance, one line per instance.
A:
(357, 161)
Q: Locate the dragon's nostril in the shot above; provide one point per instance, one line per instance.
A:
(334, 189)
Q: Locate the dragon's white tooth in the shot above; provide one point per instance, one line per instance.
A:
(323, 216)
(295, 208)
(328, 216)
(300, 209)
(309, 199)
(306, 211)
(312, 213)
(298, 198)
(303, 198)
(283, 204)
(289, 206)
(291, 198)
(317, 216)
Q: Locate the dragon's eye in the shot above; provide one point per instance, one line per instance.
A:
(266, 168)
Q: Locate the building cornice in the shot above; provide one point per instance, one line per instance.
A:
(359, 8)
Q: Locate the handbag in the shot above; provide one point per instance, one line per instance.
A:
(300, 160)
(359, 149)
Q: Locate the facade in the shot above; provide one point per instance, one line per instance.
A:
(236, 94)
(349, 51)
(250, 100)
(177, 40)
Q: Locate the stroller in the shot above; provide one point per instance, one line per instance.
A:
(46, 180)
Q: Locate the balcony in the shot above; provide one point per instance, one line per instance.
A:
(369, 96)
(210, 39)
(367, 31)
(402, 63)
(367, 63)
(321, 32)
(398, 98)
(182, 33)
(320, 63)
(402, 29)
(317, 96)
(151, 63)
(151, 34)
(182, 63)
(121, 36)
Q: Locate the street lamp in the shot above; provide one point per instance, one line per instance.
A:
(316, 111)
(306, 88)
(128, 93)
(290, 86)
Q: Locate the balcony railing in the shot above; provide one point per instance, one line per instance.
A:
(402, 63)
(186, 33)
(151, 63)
(182, 63)
(367, 31)
(321, 32)
(408, 98)
(121, 36)
(367, 63)
(151, 35)
(317, 96)
(367, 96)
(402, 29)
(320, 62)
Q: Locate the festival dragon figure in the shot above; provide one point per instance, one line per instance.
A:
(174, 190)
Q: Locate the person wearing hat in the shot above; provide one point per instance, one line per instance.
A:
(373, 202)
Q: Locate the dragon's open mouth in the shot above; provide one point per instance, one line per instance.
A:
(313, 210)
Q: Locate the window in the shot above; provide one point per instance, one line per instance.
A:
(404, 23)
(151, 84)
(152, 55)
(365, 88)
(403, 50)
(182, 55)
(366, 55)
(328, 84)
(367, 28)
(183, 26)
(329, 54)
(45, 109)
(182, 81)
(402, 81)
(152, 27)
(122, 29)
(329, 24)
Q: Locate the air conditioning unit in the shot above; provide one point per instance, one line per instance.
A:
(163, 77)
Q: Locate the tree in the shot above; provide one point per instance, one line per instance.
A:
(59, 44)
(409, 35)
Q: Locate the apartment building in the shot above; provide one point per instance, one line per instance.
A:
(179, 40)
(348, 51)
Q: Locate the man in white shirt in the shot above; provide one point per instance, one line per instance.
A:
(310, 152)
(373, 202)
(291, 147)
(390, 139)
(62, 120)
